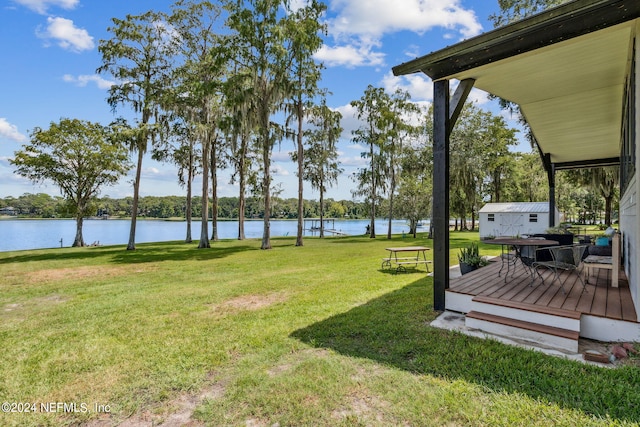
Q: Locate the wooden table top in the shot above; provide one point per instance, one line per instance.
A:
(408, 249)
(521, 242)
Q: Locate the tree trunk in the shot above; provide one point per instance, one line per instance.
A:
(131, 246)
(266, 231)
(188, 207)
(391, 190)
(607, 209)
(372, 229)
(242, 184)
(473, 219)
(300, 177)
(266, 186)
(321, 210)
(214, 191)
(204, 227)
(79, 241)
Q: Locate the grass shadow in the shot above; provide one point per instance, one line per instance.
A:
(410, 270)
(145, 252)
(395, 238)
(394, 330)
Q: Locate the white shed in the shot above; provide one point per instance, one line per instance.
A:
(512, 219)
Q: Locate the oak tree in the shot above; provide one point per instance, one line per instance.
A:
(79, 157)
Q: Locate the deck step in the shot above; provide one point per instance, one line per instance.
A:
(549, 316)
(559, 312)
(550, 336)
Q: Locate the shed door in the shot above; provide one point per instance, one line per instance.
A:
(511, 224)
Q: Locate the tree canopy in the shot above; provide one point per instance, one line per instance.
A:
(79, 157)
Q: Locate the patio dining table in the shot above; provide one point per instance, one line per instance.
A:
(524, 249)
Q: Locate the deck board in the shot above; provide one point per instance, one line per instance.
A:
(599, 299)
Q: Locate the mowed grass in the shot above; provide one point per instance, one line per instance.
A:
(312, 335)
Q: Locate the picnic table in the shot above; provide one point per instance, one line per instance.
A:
(402, 257)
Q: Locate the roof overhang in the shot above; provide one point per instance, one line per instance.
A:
(566, 68)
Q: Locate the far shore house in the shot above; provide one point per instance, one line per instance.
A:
(572, 70)
(9, 210)
(515, 218)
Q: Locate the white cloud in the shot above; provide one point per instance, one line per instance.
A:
(295, 5)
(7, 130)
(349, 121)
(419, 86)
(41, 6)
(278, 170)
(349, 55)
(357, 26)
(158, 174)
(4, 161)
(478, 96)
(353, 161)
(67, 35)
(378, 17)
(282, 156)
(83, 80)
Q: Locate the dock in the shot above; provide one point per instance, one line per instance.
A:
(312, 225)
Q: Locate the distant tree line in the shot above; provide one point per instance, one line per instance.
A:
(42, 205)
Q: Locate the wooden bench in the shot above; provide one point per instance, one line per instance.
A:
(393, 259)
(386, 262)
(401, 264)
(606, 262)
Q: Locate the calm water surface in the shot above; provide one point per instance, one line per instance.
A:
(36, 234)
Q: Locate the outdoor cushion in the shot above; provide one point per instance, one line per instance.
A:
(600, 250)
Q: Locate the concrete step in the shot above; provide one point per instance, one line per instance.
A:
(549, 336)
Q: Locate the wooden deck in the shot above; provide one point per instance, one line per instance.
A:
(599, 299)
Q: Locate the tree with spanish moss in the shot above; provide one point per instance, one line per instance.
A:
(264, 55)
(196, 91)
(399, 120)
(321, 167)
(303, 30)
(371, 133)
(139, 56)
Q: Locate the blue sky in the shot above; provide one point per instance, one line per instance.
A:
(50, 56)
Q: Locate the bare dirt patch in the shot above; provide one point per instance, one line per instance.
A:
(174, 413)
(363, 408)
(11, 307)
(250, 302)
(77, 273)
(15, 313)
(292, 360)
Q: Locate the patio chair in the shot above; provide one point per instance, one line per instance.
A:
(564, 258)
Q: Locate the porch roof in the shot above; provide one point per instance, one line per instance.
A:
(566, 68)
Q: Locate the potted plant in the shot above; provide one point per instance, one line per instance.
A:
(470, 259)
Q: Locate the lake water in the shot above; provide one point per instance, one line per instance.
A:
(51, 233)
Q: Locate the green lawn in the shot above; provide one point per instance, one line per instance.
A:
(313, 335)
